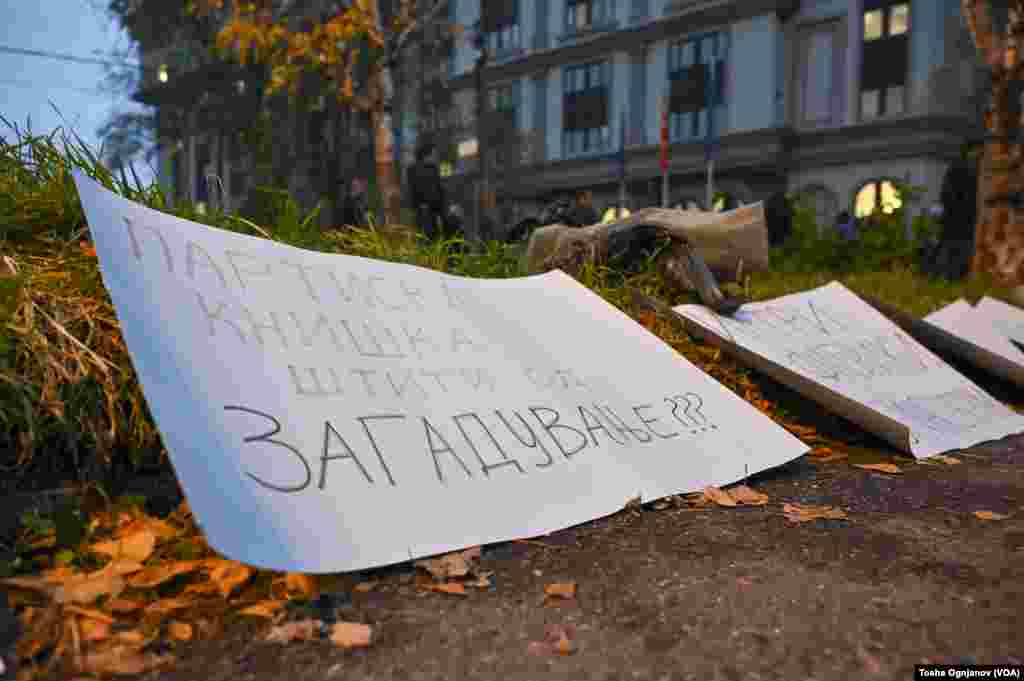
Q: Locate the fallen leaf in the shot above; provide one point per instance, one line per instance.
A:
(167, 605)
(942, 458)
(123, 606)
(159, 528)
(136, 546)
(131, 637)
(455, 588)
(718, 496)
(303, 630)
(121, 568)
(879, 467)
(263, 609)
(89, 614)
(121, 659)
(229, 575)
(300, 585)
(351, 635)
(747, 496)
(989, 515)
(798, 513)
(456, 564)
(367, 586)
(561, 590)
(94, 630)
(87, 588)
(158, 574)
(179, 631)
(202, 589)
(557, 641)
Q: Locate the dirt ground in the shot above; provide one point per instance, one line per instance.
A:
(707, 593)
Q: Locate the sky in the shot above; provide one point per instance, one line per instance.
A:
(28, 83)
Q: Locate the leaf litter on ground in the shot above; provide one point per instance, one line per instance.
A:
(800, 513)
(105, 620)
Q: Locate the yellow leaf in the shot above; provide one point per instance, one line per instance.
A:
(300, 585)
(263, 609)
(561, 590)
(989, 515)
(351, 635)
(180, 631)
(454, 588)
(880, 467)
(167, 605)
(94, 630)
(137, 546)
(747, 496)
(798, 513)
(229, 575)
(158, 574)
(718, 496)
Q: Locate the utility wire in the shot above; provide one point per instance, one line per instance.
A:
(65, 57)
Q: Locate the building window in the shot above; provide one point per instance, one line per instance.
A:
(585, 108)
(584, 15)
(500, 25)
(693, 85)
(877, 195)
(821, 78)
(884, 65)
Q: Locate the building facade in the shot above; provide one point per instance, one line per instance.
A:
(840, 101)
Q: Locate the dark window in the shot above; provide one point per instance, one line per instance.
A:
(583, 15)
(499, 22)
(884, 64)
(585, 108)
(690, 82)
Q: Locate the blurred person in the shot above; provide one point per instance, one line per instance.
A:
(583, 213)
(846, 226)
(427, 194)
(355, 208)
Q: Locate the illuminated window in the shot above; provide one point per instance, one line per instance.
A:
(162, 73)
(877, 195)
(885, 59)
(873, 21)
(899, 19)
(447, 169)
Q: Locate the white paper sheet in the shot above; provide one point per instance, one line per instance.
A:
(838, 350)
(965, 321)
(1003, 317)
(328, 413)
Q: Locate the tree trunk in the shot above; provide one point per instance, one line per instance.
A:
(383, 96)
(999, 235)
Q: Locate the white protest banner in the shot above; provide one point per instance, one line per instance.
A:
(986, 346)
(1005, 318)
(834, 348)
(328, 412)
